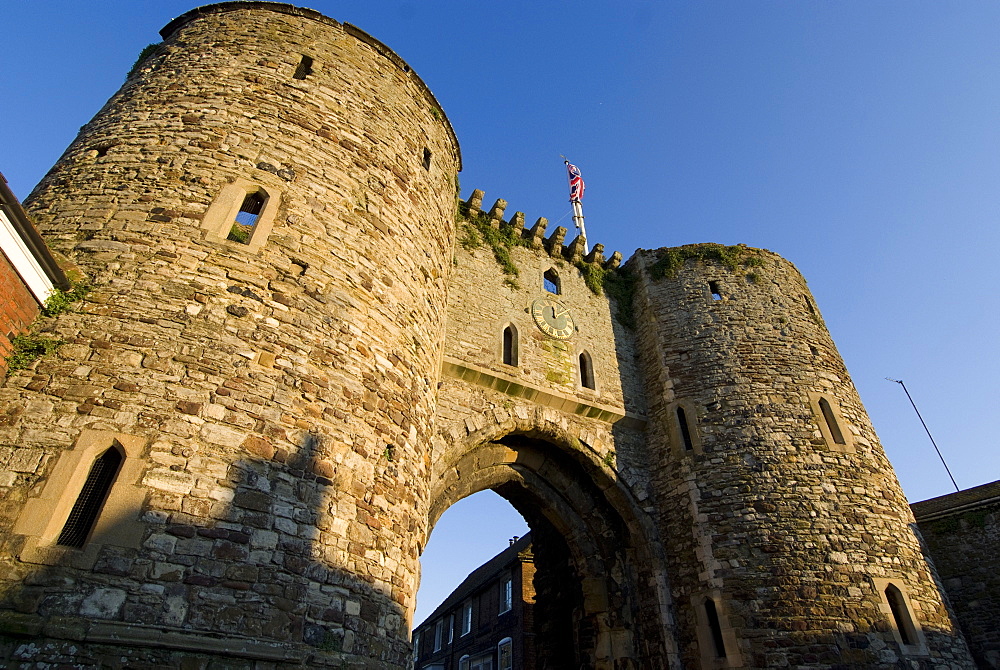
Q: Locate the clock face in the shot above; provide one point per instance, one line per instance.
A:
(553, 318)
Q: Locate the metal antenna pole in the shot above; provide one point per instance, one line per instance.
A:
(926, 429)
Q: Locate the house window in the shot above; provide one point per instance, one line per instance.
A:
(510, 345)
(463, 663)
(89, 503)
(467, 618)
(304, 69)
(586, 371)
(550, 281)
(712, 617)
(438, 634)
(416, 645)
(451, 628)
(484, 662)
(505, 654)
(506, 595)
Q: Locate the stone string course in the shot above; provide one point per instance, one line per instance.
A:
(300, 412)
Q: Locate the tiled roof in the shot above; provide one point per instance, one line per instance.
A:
(959, 501)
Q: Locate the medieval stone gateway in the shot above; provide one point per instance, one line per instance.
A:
(296, 354)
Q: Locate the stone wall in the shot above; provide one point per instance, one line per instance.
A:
(784, 522)
(962, 533)
(274, 400)
(294, 412)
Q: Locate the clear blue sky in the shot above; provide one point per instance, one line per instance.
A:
(860, 140)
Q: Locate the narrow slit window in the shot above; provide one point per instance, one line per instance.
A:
(831, 421)
(304, 69)
(427, 158)
(809, 305)
(685, 429)
(246, 218)
(550, 281)
(901, 615)
(713, 287)
(83, 516)
(712, 615)
(509, 346)
(586, 371)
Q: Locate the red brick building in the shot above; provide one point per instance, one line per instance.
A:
(487, 622)
(28, 273)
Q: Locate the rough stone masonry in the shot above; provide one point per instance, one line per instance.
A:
(286, 406)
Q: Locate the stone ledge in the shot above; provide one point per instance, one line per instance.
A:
(162, 637)
(456, 369)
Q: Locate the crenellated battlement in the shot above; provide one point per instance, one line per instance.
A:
(471, 211)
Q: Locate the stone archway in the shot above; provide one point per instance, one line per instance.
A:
(602, 596)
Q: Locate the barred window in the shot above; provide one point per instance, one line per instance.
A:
(89, 503)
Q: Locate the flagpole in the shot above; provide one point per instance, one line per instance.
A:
(578, 215)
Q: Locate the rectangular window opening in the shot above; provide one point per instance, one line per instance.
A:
(304, 69)
(713, 286)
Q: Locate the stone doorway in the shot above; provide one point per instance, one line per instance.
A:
(600, 590)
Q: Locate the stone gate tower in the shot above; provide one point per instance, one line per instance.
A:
(295, 357)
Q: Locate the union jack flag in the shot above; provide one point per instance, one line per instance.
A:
(575, 183)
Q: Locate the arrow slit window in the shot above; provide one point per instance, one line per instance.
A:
(509, 355)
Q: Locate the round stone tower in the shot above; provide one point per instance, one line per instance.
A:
(265, 212)
(790, 538)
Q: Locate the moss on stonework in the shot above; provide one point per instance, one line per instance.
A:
(478, 231)
(27, 347)
(620, 286)
(672, 259)
(146, 52)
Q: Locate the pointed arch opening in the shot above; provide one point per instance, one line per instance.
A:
(583, 530)
(509, 345)
(587, 371)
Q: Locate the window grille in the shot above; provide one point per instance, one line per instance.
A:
(246, 218)
(83, 516)
(304, 69)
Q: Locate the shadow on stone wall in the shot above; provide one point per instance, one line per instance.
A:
(253, 584)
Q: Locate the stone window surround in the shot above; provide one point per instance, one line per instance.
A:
(880, 585)
(706, 645)
(515, 338)
(824, 429)
(43, 517)
(591, 373)
(221, 214)
(676, 436)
